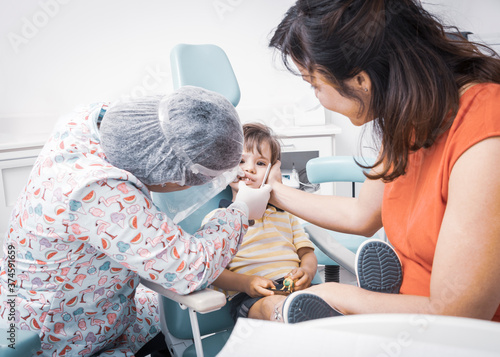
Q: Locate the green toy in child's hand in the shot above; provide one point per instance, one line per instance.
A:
(288, 285)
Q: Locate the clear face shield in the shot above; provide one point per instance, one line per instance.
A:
(179, 205)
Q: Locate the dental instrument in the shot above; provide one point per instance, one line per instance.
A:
(265, 176)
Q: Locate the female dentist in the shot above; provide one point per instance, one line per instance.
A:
(85, 230)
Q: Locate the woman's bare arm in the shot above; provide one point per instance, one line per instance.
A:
(467, 258)
(466, 266)
(361, 215)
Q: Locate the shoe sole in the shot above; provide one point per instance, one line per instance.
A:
(378, 267)
(302, 306)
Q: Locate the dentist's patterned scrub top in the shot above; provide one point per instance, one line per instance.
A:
(83, 233)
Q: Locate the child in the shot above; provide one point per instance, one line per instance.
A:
(274, 248)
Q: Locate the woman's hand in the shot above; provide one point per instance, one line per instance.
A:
(275, 173)
(273, 179)
(258, 286)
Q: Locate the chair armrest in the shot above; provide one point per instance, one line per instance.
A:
(333, 249)
(202, 301)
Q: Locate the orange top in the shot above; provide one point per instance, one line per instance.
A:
(414, 204)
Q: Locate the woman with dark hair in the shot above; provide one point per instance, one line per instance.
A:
(434, 102)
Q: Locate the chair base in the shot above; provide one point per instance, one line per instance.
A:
(212, 345)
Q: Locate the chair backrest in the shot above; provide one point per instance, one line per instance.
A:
(336, 169)
(205, 66)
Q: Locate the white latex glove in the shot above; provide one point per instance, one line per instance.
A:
(255, 198)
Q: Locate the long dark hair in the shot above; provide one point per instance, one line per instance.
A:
(416, 70)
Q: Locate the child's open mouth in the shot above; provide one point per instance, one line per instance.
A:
(247, 180)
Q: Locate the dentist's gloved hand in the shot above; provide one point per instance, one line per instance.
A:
(255, 198)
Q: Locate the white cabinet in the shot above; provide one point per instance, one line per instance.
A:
(18, 156)
(16, 163)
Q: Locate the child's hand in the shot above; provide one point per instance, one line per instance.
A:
(258, 286)
(301, 278)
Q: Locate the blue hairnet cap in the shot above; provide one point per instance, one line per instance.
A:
(188, 137)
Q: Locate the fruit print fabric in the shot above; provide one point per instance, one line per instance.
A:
(84, 234)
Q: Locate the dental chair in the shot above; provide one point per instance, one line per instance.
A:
(18, 343)
(186, 318)
(205, 313)
(205, 66)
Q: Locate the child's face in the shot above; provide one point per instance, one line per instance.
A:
(254, 165)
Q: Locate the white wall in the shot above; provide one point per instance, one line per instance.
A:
(477, 16)
(56, 54)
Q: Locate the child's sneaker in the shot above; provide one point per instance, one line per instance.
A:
(303, 306)
(378, 267)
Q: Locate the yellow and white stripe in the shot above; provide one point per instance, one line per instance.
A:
(269, 248)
